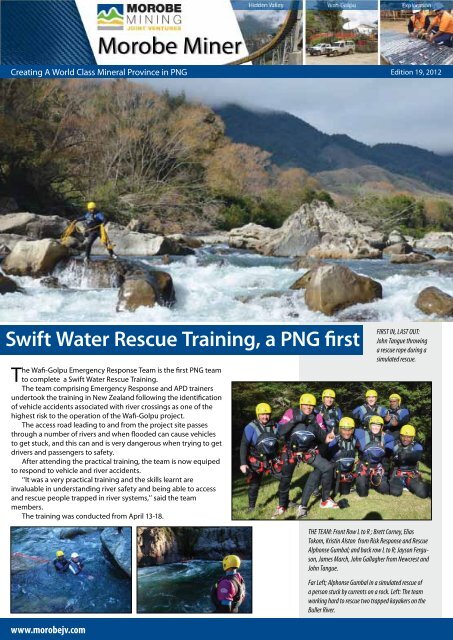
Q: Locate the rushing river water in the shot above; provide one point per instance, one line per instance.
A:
(222, 285)
(99, 588)
(184, 587)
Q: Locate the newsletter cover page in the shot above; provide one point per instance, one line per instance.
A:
(226, 260)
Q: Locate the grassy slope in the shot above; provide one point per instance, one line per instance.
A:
(407, 507)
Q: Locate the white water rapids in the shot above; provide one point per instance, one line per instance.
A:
(223, 286)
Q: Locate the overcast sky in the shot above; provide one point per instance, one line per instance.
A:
(274, 17)
(359, 17)
(409, 111)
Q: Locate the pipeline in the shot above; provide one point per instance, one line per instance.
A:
(282, 33)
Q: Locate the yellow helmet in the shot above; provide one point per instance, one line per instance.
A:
(91, 206)
(307, 398)
(346, 423)
(395, 396)
(231, 562)
(328, 393)
(59, 554)
(370, 392)
(263, 408)
(376, 420)
(407, 430)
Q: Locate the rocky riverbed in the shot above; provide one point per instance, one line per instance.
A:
(252, 273)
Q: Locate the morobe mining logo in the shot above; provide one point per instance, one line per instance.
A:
(159, 16)
(110, 16)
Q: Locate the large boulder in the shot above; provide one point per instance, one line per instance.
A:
(410, 258)
(9, 240)
(335, 287)
(33, 225)
(214, 238)
(132, 243)
(146, 289)
(399, 248)
(215, 542)
(435, 301)
(396, 237)
(437, 241)
(34, 258)
(7, 285)
(156, 545)
(343, 248)
(22, 562)
(250, 236)
(96, 274)
(117, 547)
(69, 533)
(298, 234)
(302, 282)
(188, 241)
(305, 229)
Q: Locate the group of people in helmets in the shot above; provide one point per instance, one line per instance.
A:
(374, 448)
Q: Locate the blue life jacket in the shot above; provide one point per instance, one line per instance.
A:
(374, 450)
(344, 458)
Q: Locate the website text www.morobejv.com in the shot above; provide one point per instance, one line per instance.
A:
(42, 631)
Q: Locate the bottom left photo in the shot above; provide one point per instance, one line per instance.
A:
(71, 569)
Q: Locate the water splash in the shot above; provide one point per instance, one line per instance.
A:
(222, 286)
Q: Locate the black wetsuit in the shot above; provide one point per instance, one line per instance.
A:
(61, 564)
(292, 422)
(405, 472)
(93, 221)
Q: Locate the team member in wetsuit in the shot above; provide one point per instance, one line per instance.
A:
(370, 408)
(60, 563)
(330, 411)
(343, 453)
(373, 451)
(259, 451)
(94, 222)
(228, 593)
(303, 432)
(399, 415)
(406, 453)
(75, 564)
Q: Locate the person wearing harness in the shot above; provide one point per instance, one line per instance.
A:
(259, 451)
(75, 564)
(303, 432)
(372, 466)
(60, 563)
(406, 453)
(363, 413)
(94, 222)
(330, 411)
(399, 415)
(343, 452)
(228, 593)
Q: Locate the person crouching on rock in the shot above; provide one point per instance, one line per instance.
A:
(304, 432)
(406, 454)
(94, 222)
(60, 563)
(228, 593)
(259, 451)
